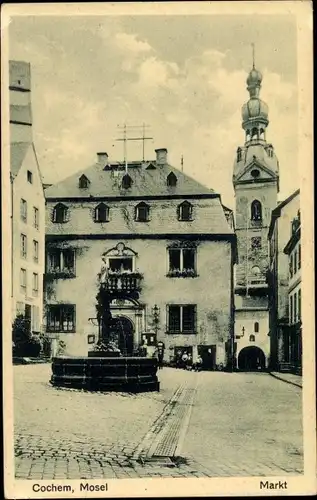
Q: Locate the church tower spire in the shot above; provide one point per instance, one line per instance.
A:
(255, 182)
(255, 111)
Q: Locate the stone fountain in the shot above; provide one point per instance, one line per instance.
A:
(105, 368)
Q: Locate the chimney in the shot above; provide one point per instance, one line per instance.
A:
(20, 101)
(161, 156)
(103, 158)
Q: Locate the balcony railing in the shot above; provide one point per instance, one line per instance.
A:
(252, 282)
(123, 282)
(256, 280)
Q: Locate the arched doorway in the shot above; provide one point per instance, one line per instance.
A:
(124, 329)
(251, 359)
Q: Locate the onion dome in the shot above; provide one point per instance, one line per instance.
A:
(255, 108)
(254, 78)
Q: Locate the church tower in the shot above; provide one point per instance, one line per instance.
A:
(256, 184)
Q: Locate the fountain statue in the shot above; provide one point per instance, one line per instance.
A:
(106, 368)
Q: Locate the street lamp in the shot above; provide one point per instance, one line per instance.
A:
(156, 318)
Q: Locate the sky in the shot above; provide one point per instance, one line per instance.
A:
(183, 76)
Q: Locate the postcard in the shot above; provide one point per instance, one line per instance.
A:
(158, 271)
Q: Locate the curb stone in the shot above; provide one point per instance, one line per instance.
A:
(285, 380)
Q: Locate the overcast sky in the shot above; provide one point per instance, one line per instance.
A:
(182, 75)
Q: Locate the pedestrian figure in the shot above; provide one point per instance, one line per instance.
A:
(184, 359)
(189, 364)
(160, 354)
(199, 363)
(178, 359)
(144, 348)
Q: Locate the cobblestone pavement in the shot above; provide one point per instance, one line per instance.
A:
(199, 424)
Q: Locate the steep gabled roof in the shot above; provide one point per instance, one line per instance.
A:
(18, 152)
(106, 182)
(276, 212)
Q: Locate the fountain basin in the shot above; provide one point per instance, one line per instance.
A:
(120, 374)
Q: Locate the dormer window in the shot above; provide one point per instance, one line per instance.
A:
(101, 213)
(171, 180)
(239, 154)
(256, 211)
(142, 212)
(83, 182)
(60, 213)
(126, 181)
(270, 151)
(151, 167)
(185, 211)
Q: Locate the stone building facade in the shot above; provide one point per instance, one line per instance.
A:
(292, 340)
(256, 184)
(153, 231)
(278, 280)
(27, 203)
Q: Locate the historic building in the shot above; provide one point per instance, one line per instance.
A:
(292, 349)
(154, 232)
(278, 280)
(27, 203)
(256, 184)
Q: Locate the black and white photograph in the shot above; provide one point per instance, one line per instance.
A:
(157, 187)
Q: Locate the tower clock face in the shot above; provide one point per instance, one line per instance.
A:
(255, 173)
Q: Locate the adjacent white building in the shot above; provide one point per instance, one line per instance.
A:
(27, 203)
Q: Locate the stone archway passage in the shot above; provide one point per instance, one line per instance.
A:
(251, 359)
(124, 331)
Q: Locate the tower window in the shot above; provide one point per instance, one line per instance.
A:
(185, 211)
(60, 213)
(252, 338)
(255, 133)
(256, 327)
(142, 212)
(126, 181)
(171, 180)
(101, 213)
(256, 211)
(239, 154)
(83, 182)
